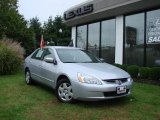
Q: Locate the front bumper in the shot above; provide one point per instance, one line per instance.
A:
(92, 92)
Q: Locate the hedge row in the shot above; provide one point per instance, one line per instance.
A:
(142, 72)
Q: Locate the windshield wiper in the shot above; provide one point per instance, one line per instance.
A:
(87, 62)
(69, 62)
(79, 62)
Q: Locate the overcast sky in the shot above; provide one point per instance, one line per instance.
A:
(45, 8)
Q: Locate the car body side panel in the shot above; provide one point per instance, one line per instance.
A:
(49, 73)
(35, 66)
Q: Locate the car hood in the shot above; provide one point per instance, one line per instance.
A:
(100, 70)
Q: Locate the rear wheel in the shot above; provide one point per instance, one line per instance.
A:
(28, 78)
(64, 91)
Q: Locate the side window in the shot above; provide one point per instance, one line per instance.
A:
(38, 54)
(48, 53)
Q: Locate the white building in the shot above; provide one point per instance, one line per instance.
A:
(119, 31)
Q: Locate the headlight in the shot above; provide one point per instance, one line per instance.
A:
(130, 79)
(83, 78)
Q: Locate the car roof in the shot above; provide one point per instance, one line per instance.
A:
(61, 47)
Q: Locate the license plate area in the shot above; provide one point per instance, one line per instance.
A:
(121, 89)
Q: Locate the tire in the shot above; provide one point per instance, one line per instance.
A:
(28, 78)
(64, 91)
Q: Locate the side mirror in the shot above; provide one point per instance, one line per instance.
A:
(54, 61)
(48, 60)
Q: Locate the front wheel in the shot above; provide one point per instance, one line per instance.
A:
(64, 91)
(28, 78)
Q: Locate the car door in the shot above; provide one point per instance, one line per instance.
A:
(35, 64)
(49, 70)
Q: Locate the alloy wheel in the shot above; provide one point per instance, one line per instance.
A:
(65, 92)
(28, 77)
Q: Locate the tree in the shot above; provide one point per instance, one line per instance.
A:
(49, 30)
(7, 8)
(8, 4)
(52, 33)
(13, 25)
(35, 26)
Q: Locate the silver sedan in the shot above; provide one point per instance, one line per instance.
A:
(76, 74)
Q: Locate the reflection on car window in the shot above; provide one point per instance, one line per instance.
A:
(48, 54)
(76, 56)
(38, 54)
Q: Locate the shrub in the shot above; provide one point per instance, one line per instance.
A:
(117, 65)
(11, 56)
(154, 73)
(124, 66)
(144, 72)
(133, 70)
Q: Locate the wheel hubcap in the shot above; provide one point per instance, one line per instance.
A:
(27, 77)
(65, 91)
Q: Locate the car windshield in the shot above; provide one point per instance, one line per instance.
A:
(76, 56)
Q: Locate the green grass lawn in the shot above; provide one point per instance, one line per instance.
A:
(19, 101)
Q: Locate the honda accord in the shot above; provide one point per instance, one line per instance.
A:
(75, 73)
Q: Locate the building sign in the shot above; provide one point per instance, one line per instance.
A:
(153, 30)
(131, 34)
(79, 11)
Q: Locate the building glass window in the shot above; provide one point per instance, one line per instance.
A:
(93, 38)
(82, 36)
(108, 39)
(153, 38)
(134, 39)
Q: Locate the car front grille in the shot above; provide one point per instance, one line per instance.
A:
(114, 93)
(116, 81)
